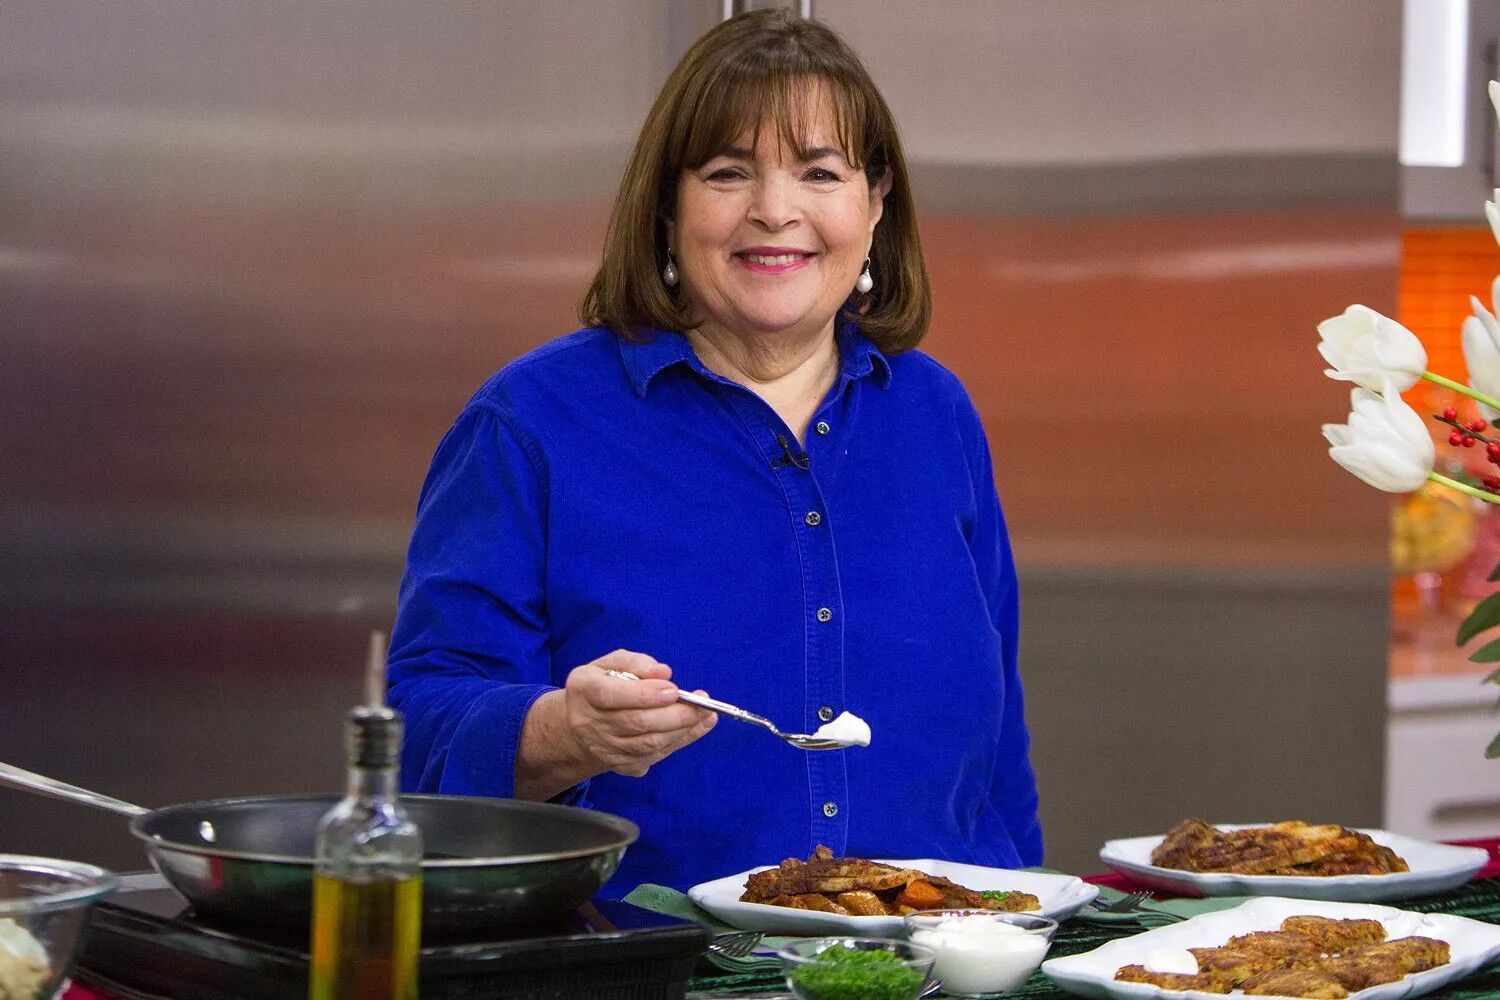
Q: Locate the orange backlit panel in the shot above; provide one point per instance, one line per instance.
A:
(1440, 269)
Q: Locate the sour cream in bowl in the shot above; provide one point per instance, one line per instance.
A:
(982, 953)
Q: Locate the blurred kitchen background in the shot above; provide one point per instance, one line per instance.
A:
(255, 257)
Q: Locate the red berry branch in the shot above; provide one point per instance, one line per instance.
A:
(1465, 436)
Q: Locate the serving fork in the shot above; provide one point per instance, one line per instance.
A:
(1126, 903)
(735, 944)
(734, 952)
(803, 741)
(1130, 903)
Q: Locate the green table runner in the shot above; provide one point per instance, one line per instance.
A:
(1479, 899)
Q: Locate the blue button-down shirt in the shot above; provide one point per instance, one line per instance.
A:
(597, 494)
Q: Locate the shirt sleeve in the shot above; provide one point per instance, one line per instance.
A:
(469, 651)
(1013, 785)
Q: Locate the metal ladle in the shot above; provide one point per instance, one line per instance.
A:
(802, 741)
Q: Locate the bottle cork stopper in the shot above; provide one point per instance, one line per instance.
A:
(375, 671)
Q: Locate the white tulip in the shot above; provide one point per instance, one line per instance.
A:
(1495, 95)
(1481, 342)
(1367, 348)
(1385, 443)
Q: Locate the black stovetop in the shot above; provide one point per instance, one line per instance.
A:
(145, 943)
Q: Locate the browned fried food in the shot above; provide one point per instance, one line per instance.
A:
(863, 903)
(1412, 954)
(825, 873)
(1317, 958)
(1391, 861)
(1372, 964)
(1011, 902)
(1309, 983)
(1332, 935)
(1288, 848)
(1261, 850)
(867, 884)
(1361, 973)
(1182, 843)
(952, 896)
(1232, 965)
(1172, 980)
(1369, 858)
(1274, 944)
(809, 901)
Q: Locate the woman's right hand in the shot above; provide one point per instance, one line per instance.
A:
(623, 725)
(599, 723)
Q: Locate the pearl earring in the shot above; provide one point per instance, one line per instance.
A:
(864, 282)
(669, 273)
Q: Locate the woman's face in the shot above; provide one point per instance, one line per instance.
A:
(767, 243)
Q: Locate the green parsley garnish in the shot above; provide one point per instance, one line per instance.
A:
(998, 895)
(845, 974)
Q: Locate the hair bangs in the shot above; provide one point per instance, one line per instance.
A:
(791, 99)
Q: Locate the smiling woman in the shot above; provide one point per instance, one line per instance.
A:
(767, 114)
(771, 238)
(742, 469)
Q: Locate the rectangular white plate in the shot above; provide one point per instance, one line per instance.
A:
(1434, 868)
(1061, 896)
(1473, 945)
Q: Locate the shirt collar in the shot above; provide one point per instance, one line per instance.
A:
(658, 350)
(857, 356)
(654, 352)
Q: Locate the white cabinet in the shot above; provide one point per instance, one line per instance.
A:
(1439, 784)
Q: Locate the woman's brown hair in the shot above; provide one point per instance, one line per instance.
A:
(753, 68)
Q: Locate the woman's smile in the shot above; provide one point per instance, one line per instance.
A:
(774, 260)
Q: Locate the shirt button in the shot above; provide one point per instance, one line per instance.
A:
(813, 519)
(821, 427)
(830, 809)
(825, 713)
(825, 614)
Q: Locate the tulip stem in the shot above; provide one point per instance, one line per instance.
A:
(1448, 383)
(1454, 484)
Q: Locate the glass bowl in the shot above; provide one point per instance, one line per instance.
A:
(44, 905)
(847, 968)
(982, 953)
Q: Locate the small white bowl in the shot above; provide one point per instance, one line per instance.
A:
(992, 962)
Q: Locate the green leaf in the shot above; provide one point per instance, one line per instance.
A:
(1494, 749)
(1485, 616)
(1492, 678)
(1495, 573)
(1488, 653)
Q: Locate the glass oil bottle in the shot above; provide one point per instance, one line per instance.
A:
(367, 886)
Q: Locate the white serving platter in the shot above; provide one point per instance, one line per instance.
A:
(1434, 868)
(1473, 945)
(1060, 896)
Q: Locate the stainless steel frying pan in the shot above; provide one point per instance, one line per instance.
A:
(490, 863)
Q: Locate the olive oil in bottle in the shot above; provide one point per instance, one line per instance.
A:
(367, 888)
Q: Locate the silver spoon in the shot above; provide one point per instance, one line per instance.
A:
(803, 741)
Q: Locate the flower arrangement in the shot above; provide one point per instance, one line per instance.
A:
(1387, 444)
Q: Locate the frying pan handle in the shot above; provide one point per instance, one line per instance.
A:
(29, 781)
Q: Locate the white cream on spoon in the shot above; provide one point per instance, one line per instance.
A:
(848, 729)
